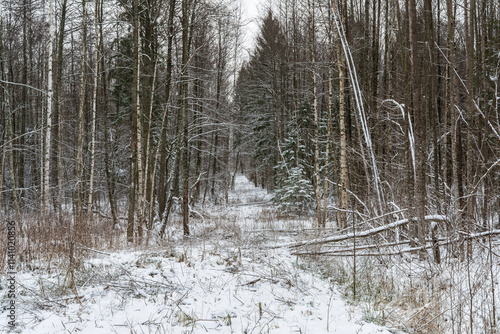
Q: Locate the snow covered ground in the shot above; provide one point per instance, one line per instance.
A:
(224, 279)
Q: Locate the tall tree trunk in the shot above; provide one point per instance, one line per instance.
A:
(375, 55)
(48, 127)
(430, 106)
(317, 171)
(341, 65)
(454, 121)
(470, 14)
(94, 108)
(131, 194)
(138, 120)
(136, 138)
(2, 173)
(60, 122)
(150, 66)
(186, 4)
(485, 151)
(231, 130)
(148, 210)
(5, 108)
(162, 186)
(218, 95)
(329, 137)
(79, 188)
(25, 103)
(107, 164)
(420, 126)
(10, 134)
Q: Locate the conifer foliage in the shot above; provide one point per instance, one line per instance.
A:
(294, 191)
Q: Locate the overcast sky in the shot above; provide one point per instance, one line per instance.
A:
(251, 11)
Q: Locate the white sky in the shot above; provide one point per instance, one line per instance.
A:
(251, 12)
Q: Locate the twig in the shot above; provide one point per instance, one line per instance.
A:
(40, 295)
(251, 282)
(93, 250)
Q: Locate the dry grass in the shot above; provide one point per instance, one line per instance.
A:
(48, 241)
(399, 291)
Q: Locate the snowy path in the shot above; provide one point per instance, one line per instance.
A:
(223, 281)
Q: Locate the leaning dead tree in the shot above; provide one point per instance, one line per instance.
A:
(363, 234)
(353, 250)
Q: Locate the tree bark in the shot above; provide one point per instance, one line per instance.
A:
(107, 163)
(60, 128)
(48, 127)
(162, 186)
(138, 120)
(317, 170)
(456, 142)
(94, 109)
(420, 126)
(78, 197)
(470, 13)
(341, 65)
(186, 4)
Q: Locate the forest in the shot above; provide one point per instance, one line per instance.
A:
(124, 122)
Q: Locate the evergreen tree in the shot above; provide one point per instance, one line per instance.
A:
(294, 191)
(259, 91)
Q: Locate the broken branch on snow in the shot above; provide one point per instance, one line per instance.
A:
(363, 234)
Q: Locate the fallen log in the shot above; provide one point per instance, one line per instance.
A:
(363, 234)
(351, 248)
(397, 252)
(440, 243)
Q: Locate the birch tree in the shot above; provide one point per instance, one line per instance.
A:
(94, 107)
(341, 65)
(48, 118)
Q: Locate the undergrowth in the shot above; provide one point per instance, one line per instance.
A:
(399, 291)
(416, 296)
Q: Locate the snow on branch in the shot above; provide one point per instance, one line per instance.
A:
(367, 233)
(349, 251)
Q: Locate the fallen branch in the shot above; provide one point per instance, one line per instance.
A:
(343, 252)
(365, 247)
(295, 231)
(398, 252)
(102, 215)
(37, 294)
(479, 235)
(251, 282)
(253, 203)
(92, 250)
(350, 248)
(363, 234)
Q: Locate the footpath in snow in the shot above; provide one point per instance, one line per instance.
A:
(222, 280)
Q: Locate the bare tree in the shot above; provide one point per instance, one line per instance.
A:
(79, 188)
(48, 118)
